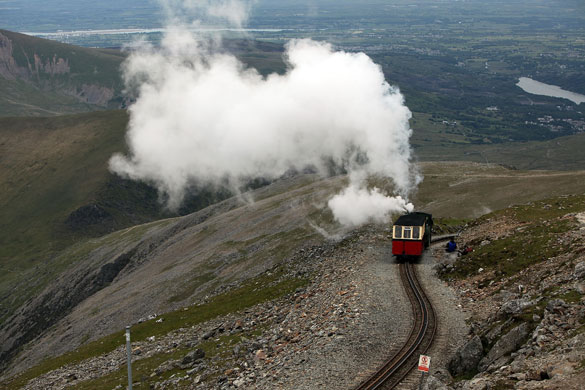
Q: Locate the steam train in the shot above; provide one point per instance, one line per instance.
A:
(411, 234)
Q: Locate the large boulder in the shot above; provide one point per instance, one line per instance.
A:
(555, 305)
(467, 357)
(496, 332)
(515, 306)
(478, 384)
(193, 356)
(434, 383)
(579, 272)
(507, 344)
(443, 375)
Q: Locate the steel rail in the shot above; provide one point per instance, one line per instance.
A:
(423, 330)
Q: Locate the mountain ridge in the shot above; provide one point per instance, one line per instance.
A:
(63, 77)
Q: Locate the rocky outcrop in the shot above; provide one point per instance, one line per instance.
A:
(49, 73)
(434, 383)
(467, 358)
(579, 272)
(93, 94)
(51, 66)
(507, 344)
(8, 67)
(34, 68)
(515, 306)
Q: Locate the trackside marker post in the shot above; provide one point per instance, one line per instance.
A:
(129, 353)
(424, 363)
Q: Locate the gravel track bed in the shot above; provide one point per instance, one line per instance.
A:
(452, 330)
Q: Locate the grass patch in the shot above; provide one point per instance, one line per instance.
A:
(141, 370)
(448, 225)
(571, 296)
(192, 286)
(268, 286)
(549, 209)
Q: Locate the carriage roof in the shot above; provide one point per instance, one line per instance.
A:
(414, 219)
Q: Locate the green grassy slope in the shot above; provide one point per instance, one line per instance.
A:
(52, 169)
(49, 167)
(468, 190)
(22, 98)
(53, 176)
(544, 233)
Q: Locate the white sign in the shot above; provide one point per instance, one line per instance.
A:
(424, 362)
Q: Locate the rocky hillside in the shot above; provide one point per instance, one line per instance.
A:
(523, 287)
(329, 313)
(42, 77)
(153, 268)
(211, 269)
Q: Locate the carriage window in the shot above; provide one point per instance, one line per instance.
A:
(407, 232)
(416, 232)
(397, 231)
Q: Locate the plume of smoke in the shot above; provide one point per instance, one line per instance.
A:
(201, 116)
(357, 205)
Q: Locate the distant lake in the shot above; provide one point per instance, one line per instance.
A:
(537, 88)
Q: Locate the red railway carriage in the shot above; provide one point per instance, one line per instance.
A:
(411, 234)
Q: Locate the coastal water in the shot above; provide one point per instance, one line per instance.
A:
(537, 88)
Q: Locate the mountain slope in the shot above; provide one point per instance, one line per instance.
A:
(56, 189)
(163, 265)
(42, 77)
(129, 274)
(168, 277)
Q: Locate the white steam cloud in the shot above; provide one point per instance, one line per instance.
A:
(355, 206)
(201, 117)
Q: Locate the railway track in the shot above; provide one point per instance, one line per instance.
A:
(419, 340)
